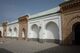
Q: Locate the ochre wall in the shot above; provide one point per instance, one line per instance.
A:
(4, 29)
(70, 13)
(23, 24)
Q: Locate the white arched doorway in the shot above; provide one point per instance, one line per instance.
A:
(35, 30)
(52, 31)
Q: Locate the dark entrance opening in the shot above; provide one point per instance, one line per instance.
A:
(0, 34)
(76, 33)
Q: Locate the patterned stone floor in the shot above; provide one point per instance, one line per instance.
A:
(24, 46)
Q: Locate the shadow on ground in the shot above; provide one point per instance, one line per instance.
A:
(2, 50)
(61, 49)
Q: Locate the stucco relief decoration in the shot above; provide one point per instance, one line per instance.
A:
(76, 17)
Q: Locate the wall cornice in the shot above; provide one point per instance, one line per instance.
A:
(70, 6)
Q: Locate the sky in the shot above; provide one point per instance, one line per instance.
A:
(13, 9)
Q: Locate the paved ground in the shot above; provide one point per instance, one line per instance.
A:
(23, 46)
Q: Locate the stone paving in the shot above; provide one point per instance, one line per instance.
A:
(24, 46)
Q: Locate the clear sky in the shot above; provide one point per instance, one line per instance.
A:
(12, 9)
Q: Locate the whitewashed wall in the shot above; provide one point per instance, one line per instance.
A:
(41, 23)
(12, 26)
(37, 26)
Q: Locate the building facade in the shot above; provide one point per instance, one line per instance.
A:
(59, 25)
(43, 27)
(70, 19)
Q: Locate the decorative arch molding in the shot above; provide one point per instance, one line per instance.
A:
(69, 25)
(76, 17)
(72, 21)
(68, 32)
(70, 16)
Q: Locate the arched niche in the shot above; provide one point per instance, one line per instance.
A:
(52, 31)
(35, 30)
